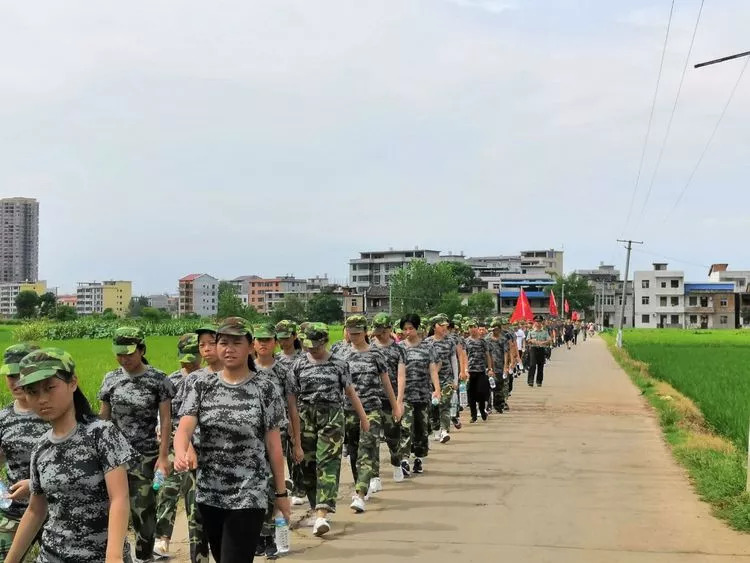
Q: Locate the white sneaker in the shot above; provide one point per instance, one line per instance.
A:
(444, 437)
(398, 474)
(436, 435)
(161, 547)
(321, 527)
(308, 522)
(376, 485)
(358, 504)
(345, 451)
(298, 501)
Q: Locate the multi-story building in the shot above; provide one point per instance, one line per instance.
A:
(710, 305)
(19, 239)
(374, 268)
(607, 287)
(352, 303)
(241, 286)
(165, 302)
(199, 295)
(97, 297)
(534, 287)
(536, 262)
(659, 297)
(71, 300)
(287, 286)
(10, 290)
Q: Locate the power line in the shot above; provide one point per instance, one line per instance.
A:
(674, 109)
(710, 140)
(650, 118)
(670, 258)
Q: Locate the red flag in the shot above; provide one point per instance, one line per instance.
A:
(566, 306)
(522, 311)
(574, 316)
(552, 304)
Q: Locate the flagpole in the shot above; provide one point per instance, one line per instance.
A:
(563, 301)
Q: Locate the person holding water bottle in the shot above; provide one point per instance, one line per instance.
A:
(446, 352)
(20, 430)
(79, 481)
(134, 397)
(240, 416)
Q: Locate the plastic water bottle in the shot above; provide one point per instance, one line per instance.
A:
(454, 405)
(5, 502)
(282, 534)
(462, 395)
(158, 480)
(493, 383)
(435, 401)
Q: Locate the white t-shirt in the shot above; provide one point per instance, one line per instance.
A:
(520, 337)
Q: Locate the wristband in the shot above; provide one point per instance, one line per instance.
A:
(285, 494)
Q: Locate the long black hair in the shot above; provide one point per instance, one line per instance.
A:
(250, 359)
(80, 402)
(412, 318)
(142, 348)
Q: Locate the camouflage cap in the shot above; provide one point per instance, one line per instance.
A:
(206, 329)
(457, 318)
(43, 364)
(235, 326)
(470, 323)
(126, 340)
(497, 322)
(356, 323)
(315, 335)
(381, 321)
(13, 355)
(439, 319)
(285, 329)
(187, 348)
(264, 330)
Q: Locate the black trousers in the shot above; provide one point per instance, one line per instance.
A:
(232, 534)
(478, 392)
(537, 357)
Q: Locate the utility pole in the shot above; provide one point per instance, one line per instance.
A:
(624, 290)
(723, 59)
(562, 302)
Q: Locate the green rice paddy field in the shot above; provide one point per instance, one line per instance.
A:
(94, 358)
(710, 367)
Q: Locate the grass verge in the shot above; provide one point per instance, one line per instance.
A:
(717, 468)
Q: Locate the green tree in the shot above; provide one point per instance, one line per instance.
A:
(451, 304)
(155, 315)
(291, 307)
(578, 293)
(65, 313)
(26, 304)
(481, 305)
(464, 275)
(230, 304)
(136, 305)
(47, 304)
(324, 307)
(420, 287)
(108, 314)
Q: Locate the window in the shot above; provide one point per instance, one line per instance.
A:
(354, 302)
(662, 301)
(644, 284)
(495, 286)
(645, 319)
(644, 301)
(619, 299)
(704, 301)
(675, 283)
(664, 284)
(675, 301)
(723, 319)
(674, 319)
(693, 319)
(693, 301)
(724, 301)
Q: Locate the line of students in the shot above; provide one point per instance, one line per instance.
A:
(231, 424)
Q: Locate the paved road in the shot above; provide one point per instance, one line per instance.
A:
(577, 472)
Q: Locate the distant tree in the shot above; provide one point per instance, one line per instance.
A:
(135, 308)
(47, 304)
(155, 315)
(65, 313)
(578, 293)
(325, 308)
(481, 305)
(464, 275)
(230, 304)
(291, 307)
(26, 304)
(108, 314)
(451, 304)
(420, 287)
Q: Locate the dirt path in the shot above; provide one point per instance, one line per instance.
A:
(577, 472)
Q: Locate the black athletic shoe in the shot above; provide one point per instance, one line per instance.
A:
(484, 416)
(405, 468)
(473, 420)
(538, 384)
(260, 548)
(417, 465)
(456, 423)
(531, 384)
(272, 551)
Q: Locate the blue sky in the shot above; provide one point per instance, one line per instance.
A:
(284, 137)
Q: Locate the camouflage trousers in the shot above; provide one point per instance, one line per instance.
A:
(391, 434)
(175, 486)
(500, 392)
(143, 504)
(363, 448)
(415, 430)
(322, 440)
(8, 526)
(441, 414)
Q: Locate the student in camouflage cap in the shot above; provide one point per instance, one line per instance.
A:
(134, 397)
(79, 482)
(240, 416)
(480, 367)
(395, 361)
(180, 484)
(369, 374)
(497, 345)
(318, 383)
(20, 430)
(446, 353)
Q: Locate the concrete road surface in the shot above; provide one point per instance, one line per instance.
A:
(577, 472)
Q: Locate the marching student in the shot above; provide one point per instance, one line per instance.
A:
(79, 481)
(445, 351)
(538, 340)
(479, 366)
(497, 344)
(134, 397)
(240, 416)
(318, 383)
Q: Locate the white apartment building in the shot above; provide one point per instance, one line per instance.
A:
(10, 290)
(374, 268)
(199, 294)
(659, 297)
(97, 297)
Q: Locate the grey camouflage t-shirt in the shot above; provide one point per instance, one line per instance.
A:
(178, 382)
(287, 361)
(69, 472)
(366, 368)
(445, 350)
(340, 348)
(476, 350)
(497, 351)
(418, 381)
(19, 434)
(234, 418)
(134, 403)
(393, 354)
(278, 374)
(319, 383)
